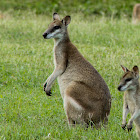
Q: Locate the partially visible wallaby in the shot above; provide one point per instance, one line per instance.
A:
(85, 94)
(136, 14)
(130, 84)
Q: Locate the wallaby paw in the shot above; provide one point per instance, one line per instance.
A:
(45, 86)
(48, 93)
(123, 126)
(129, 128)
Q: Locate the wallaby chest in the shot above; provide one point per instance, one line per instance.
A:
(132, 102)
(59, 54)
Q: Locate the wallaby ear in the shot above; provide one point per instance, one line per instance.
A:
(56, 16)
(136, 70)
(124, 68)
(66, 20)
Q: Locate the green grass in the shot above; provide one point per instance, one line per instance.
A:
(26, 60)
(88, 7)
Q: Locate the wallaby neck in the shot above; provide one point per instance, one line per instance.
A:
(64, 39)
(135, 90)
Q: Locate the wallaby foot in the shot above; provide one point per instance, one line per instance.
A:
(71, 122)
(123, 126)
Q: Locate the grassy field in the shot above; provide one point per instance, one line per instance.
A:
(26, 60)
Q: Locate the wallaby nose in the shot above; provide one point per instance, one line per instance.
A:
(44, 35)
(119, 88)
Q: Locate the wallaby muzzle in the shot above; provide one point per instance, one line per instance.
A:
(45, 35)
(119, 88)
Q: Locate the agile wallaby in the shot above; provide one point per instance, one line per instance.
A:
(136, 14)
(85, 94)
(130, 84)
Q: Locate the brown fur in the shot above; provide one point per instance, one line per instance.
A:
(136, 14)
(85, 94)
(130, 84)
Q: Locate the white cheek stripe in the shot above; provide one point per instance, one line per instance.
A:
(126, 85)
(53, 34)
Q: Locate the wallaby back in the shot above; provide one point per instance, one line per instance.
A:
(136, 14)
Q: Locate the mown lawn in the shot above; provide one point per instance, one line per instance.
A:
(26, 60)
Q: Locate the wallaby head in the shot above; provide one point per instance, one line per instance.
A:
(58, 28)
(129, 80)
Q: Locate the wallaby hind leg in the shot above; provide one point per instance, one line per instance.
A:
(80, 107)
(73, 111)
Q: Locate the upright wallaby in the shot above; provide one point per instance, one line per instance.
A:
(85, 94)
(130, 84)
(136, 14)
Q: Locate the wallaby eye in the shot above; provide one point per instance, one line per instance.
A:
(57, 27)
(129, 79)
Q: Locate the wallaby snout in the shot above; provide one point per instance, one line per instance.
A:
(45, 35)
(119, 88)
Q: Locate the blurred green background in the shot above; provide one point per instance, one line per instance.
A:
(117, 8)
